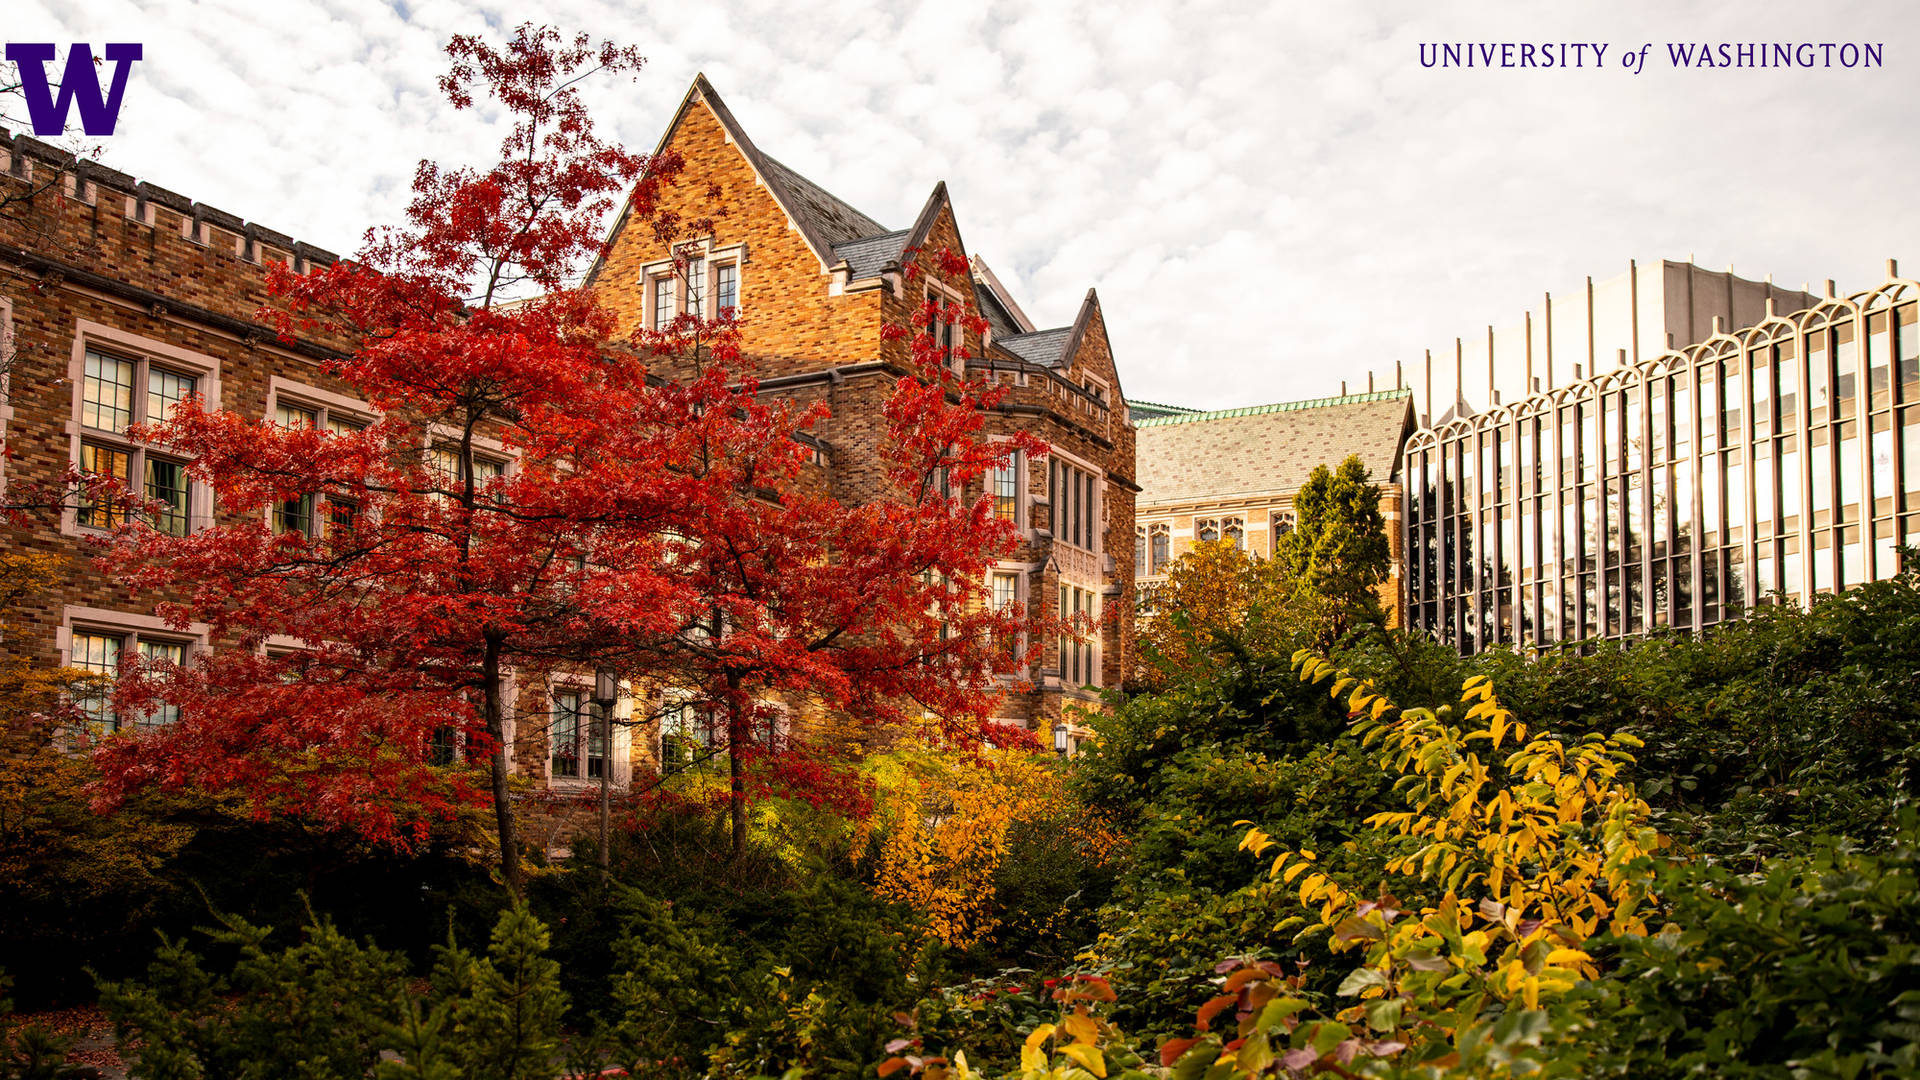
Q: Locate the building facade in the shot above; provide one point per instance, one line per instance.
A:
(118, 297)
(1778, 459)
(816, 283)
(1231, 474)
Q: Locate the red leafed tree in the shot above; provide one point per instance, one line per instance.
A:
(372, 588)
(412, 581)
(876, 612)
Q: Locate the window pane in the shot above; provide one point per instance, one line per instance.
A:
(168, 652)
(105, 509)
(166, 389)
(696, 288)
(564, 734)
(662, 302)
(726, 285)
(98, 654)
(167, 484)
(294, 416)
(106, 399)
(293, 515)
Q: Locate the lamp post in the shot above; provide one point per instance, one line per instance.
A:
(606, 690)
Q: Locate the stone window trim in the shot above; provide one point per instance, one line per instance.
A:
(1097, 511)
(484, 447)
(932, 288)
(130, 627)
(619, 738)
(1022, 588)
(712, 256)
(325, 405)
(1076, 597)
(146, 353)
(1022, 486)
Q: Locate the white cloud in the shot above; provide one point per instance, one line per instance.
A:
(1269, 197)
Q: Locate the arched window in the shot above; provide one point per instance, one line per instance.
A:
(1160, 546)
(1234, 530)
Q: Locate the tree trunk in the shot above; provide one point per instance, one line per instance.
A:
(606, 778)
(502, 804)
(737, 737)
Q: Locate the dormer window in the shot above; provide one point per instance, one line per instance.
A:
(945, 330)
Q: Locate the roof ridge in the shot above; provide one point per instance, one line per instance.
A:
(1276, 407)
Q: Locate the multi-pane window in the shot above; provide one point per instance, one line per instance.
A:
(106, 399)
(695, 294)
(110, 403)
(726, 289)
(1234, 531)
(1159, 547)
(943, 329)
(1006, 593)
(1206, 530)
(103, 509)
(1075, 496)
(1077, 666)
(578, 737)
(1140, 549)
(688, 735)
(1279, 524)
(662, 302)
(314, 514)
(1004, 481)
(99, 653)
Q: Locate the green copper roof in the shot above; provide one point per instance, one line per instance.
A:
(1279, 407)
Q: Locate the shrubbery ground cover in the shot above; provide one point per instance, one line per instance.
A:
(1677, 858)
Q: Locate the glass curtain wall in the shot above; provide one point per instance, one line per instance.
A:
(1777, 462)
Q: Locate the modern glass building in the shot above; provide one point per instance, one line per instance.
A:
(1778, 459)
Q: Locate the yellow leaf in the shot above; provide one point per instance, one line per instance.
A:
(1088, 1057)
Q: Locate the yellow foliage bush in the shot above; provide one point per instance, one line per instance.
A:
(943, 827)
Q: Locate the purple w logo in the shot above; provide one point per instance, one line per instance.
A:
(79, 86)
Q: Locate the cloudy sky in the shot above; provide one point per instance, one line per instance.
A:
(1270, 197)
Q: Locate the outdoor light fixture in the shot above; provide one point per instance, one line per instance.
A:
(1060, 738)
(606, 687)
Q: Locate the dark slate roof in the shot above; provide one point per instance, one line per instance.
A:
(1043, 347)
(1268, 449)
(867, 256)
(826, 215)
(997, 316)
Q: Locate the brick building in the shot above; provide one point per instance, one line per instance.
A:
(118, 296)
(1231, 474)
(815, 280)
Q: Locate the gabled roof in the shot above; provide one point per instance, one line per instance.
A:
(1043, 347)
(1053, 348)
(824, 219)
(1268, 449)
(997, 303)
(868, 256)
(816, 210)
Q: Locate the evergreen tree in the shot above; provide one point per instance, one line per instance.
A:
(1337, 554)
